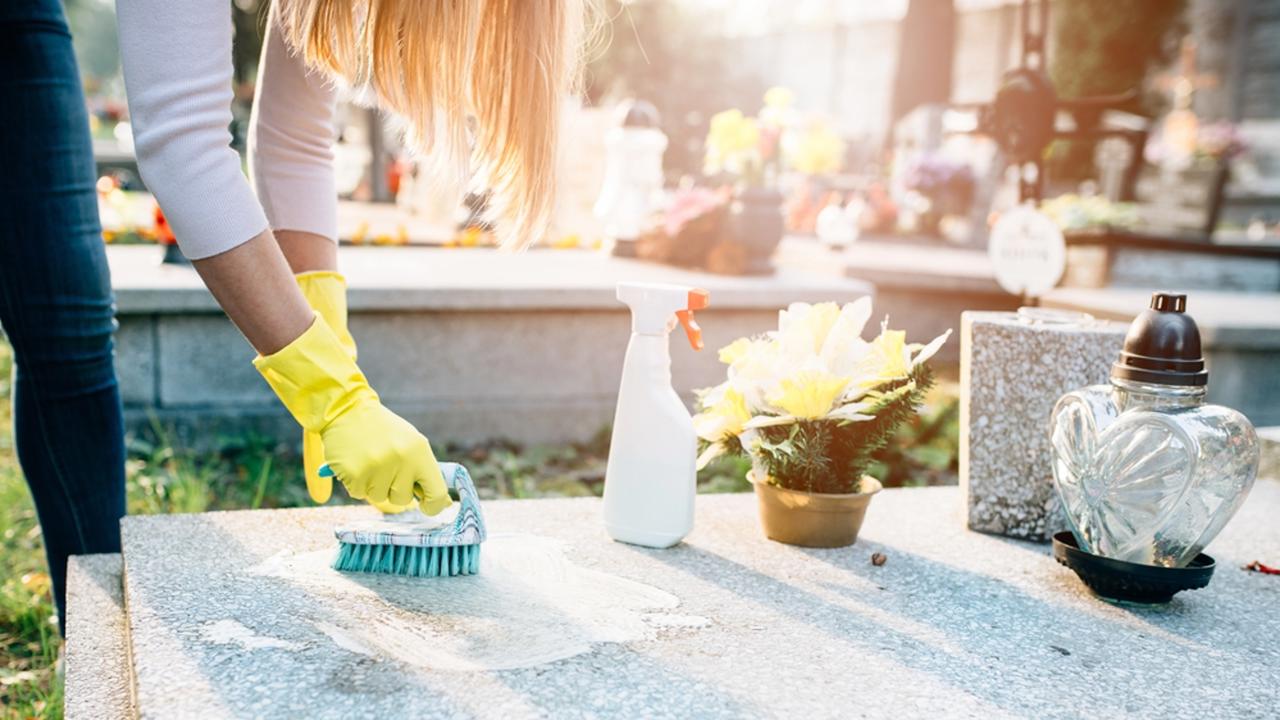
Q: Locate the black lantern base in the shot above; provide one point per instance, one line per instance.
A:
(1120, 581)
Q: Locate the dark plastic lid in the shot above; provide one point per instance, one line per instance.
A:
(1163, 345)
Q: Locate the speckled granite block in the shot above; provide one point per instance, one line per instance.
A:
(98, 682)
(1269, 466)
(1011, 373)
(956, 624)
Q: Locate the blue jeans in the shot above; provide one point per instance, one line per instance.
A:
(56, 306)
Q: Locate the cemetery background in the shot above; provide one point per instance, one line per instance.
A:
(840, 64)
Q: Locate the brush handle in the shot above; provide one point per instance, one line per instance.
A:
(408, 528)
(456, 478)
(469, 519)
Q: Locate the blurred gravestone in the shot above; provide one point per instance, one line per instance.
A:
(1112, 156)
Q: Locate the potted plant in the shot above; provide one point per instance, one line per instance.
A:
(809, 404)
(691, 225)
(747, 151)
(814, 152)
(940, 187)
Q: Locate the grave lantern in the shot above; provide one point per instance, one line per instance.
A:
(1147, 472)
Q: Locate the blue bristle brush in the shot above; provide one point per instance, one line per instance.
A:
(413, 545)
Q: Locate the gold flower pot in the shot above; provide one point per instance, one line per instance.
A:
(813, 519)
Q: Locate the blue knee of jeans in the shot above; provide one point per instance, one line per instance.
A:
(66, 348)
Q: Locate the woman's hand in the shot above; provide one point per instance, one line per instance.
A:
(326, 293)
(376, 454)
(381, 458)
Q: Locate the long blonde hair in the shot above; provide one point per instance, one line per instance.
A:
(478, 84)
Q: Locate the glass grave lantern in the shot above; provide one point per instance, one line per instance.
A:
(1147, 471)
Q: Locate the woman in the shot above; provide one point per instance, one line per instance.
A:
(55, 293)
(476, 82)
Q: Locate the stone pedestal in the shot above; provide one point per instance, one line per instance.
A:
(234, 615)
(1012, 371)
(99, 685)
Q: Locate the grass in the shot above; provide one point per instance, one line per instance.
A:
(254, 472)
(29, 643)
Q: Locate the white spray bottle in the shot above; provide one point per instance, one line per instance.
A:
(651, 480)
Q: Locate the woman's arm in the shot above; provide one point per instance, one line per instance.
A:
(291, 154)
(177, 69)
(177, 65)
(254, 285)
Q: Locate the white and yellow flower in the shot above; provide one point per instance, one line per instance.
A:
(815, 366)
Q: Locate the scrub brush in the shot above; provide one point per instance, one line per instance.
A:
(414, 545)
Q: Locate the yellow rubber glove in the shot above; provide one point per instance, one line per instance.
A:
(376, 454)
(326, 293)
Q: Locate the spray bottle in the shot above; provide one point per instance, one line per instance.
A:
(650, 482)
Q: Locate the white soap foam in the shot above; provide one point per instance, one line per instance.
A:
(530, 605)
(664, 620)
(230, 632)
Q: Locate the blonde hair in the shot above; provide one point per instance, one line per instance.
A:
(478, 84)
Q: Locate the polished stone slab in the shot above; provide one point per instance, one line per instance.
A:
(98, 683)
(234, 615)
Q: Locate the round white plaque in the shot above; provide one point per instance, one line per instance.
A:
(1027, 252)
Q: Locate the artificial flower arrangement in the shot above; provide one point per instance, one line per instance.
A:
(747, 148)
(757, 149)
(946, 185)
(1083, 212)
(738, 227)
(814, 147)
(688, 228)
(810, 403)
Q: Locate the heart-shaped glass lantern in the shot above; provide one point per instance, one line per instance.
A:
(1147, 472)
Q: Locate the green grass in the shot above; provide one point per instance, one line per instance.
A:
(249, 471)
(29, 643)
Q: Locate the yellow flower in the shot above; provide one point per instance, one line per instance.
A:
(37, 583)
(732, 131)
(735, 351)
(360, 233)
(887, 359)
(725, 417)
(731, 141)
(818, 150)
(808, 394)
(778, 97)
(467, 237)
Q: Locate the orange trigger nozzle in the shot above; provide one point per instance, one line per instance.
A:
(698, 300)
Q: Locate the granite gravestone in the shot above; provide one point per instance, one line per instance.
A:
(1013, 368)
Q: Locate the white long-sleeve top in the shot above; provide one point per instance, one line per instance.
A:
(178, 72)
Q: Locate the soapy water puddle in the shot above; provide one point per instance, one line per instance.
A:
(530, 605)
(230, 632)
